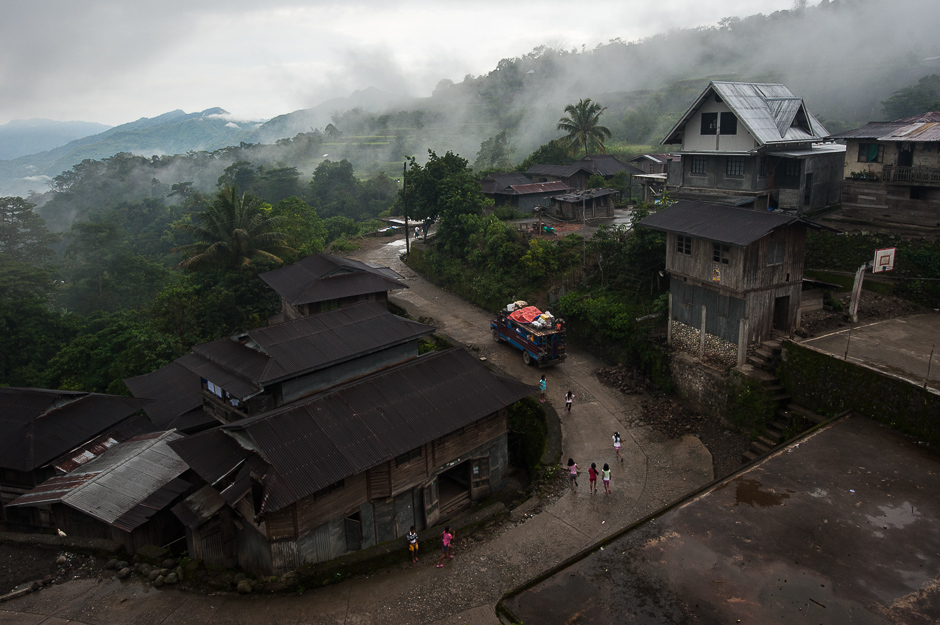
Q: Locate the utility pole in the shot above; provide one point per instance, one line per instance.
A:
(404, 203)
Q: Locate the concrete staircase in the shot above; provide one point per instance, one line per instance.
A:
(764, 361)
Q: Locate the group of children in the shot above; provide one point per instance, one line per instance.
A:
(447, 538)
(573, 470)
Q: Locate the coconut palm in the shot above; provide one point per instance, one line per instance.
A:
(231, 233)
(581, 124)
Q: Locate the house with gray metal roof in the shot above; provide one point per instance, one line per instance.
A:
(323, 282)
(892, 171)
(265, 368)
(754, 144)
(50, 432)
(176, 399)
(577, 173)
(736, 272)
(124, 494)
(517, 190)
(351, 467)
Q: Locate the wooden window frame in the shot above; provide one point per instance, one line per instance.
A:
(698, 166)
(721, 253)
(683, 245)
(735, 167)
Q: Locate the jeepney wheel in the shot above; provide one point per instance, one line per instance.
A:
(526, 358)
(496, 337)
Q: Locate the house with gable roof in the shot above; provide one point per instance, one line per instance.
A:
(323, 282)
(892, 171)
(516, 190)
(577, 173)
(756, 145)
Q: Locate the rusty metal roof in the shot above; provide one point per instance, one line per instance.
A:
(243, 365)
(199, 507)
(123, 487)
(555, 186)
(919, 128)
(769, 112)
(315, 443)
(716, 222)
(500, 183)
(587, 194)
(323, 277)
(177, 398)
(41, 425)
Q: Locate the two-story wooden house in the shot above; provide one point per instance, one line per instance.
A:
(754, 144)
(743, 268)
(351, 467)
(892, 171)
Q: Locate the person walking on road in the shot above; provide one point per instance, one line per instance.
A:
(605, 474)
(592, 473)
(447, 538)
(569, 397)
(543, 386)
(572, 473)
(412, 538)
(616, 438)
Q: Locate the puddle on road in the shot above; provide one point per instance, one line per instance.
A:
(749, 492)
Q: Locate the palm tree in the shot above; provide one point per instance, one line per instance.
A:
(232, 232)
(581, 124)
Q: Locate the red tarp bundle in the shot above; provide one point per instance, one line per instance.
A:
(525, 315)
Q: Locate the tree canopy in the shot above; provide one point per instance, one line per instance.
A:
(232, 232)
(582, 123)
(914, 100)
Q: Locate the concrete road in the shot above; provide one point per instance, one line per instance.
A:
(655, 471)
(900, 347)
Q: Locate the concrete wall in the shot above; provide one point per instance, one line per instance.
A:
(703, 387)
(693, 139)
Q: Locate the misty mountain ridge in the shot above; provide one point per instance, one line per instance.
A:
(21, 137)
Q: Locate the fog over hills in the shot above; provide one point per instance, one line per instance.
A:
(28, 136)
(843, 57)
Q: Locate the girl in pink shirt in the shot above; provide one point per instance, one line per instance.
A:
(447, 538)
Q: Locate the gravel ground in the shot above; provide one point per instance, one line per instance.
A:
(672, 419)
(20, 564)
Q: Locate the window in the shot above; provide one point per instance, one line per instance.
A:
(871, 153)
(775, 252)
(791, 167)
(709, 123)
(735, 166)
(729, 124)
(762, 167)
(684, 245)
(408, 457)
(698, 166)
(721, 253)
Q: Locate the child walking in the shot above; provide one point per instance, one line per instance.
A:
(569, 396)
(572, 473)
(447, 538)
(592, 472)
(605, 474)
(413, 544)
(543, 386)
(616, 438)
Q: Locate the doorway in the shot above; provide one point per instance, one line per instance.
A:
(781, 313)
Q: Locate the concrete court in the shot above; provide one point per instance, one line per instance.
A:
(655, 472)
(900, 347)
(842, 527)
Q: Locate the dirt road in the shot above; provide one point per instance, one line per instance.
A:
(655, 471)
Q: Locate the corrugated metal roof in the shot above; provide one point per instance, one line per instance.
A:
(723, 224)
(924, 127)
(337, 434)
(770, 113)
(816, 150)
(587, 194)
(500, 183)
(322, 277)
(121, 486)
(539, 187)
(176, 391)
(243, 365)
(600, 164)
(41, 425)
(199, 507)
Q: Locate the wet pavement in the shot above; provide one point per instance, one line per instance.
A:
(840, 527)
(655, 472)
(900, 347)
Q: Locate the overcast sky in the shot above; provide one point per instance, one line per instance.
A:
(115, 61)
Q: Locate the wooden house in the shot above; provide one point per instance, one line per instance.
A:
(577, 174)
(51, 432)
(892, 171)
(322, 282)
(265, 368)
(124, 494)
(740, 269)
(754, 144)
(516, 190)
(587, 204)
(176, 401)
(350, 467)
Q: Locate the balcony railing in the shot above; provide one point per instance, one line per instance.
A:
(918, 174)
